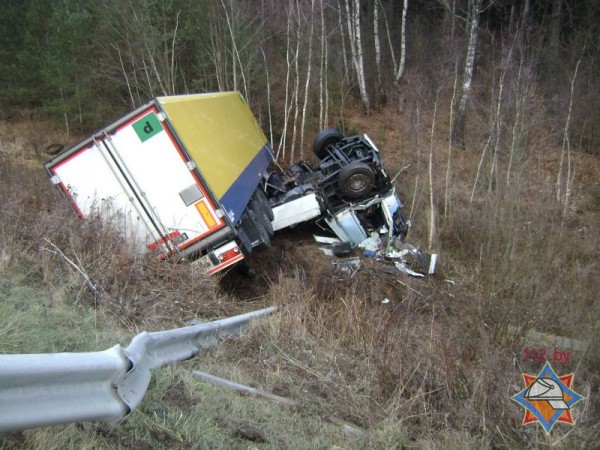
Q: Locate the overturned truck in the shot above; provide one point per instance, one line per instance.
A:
(188, 177)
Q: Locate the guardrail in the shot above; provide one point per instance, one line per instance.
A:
(47, 389)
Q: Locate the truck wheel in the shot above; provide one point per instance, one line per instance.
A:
(244, 241)
(356, 180)
(264, 201)
(54, 149)
(325, 138)
(261, 214)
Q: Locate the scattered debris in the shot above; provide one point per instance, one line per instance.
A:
(372, 245)
(415, 259)
(326, 240)
(402, 267)
(345, 268)
(394, 257)
(342, 249)
(326, 243)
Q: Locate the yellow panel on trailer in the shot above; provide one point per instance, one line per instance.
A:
(220, 134)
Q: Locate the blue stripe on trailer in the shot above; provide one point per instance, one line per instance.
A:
(238, 195)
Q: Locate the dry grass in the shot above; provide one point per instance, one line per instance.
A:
(436, 367)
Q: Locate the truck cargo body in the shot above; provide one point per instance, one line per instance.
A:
(176, 175)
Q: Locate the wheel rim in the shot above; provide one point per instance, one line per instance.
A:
(358, 183)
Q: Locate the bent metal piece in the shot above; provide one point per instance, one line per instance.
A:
(48, 389)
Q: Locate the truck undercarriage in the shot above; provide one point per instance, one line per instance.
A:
(348, 190)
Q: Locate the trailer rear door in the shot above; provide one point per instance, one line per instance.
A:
(137, 167)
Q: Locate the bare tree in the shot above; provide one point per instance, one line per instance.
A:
(343, 38)
(400, 71)
(458, 127)
(565, 177)
(377, 43)
(286, 113)
(398, 67)
(354, 32)
(322, 70)
(308, 73)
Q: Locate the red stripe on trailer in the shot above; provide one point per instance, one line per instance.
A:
(73, 156)
(169, 237)
(71, 199)
(219, 221)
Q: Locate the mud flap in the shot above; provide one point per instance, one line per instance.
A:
(252, 232)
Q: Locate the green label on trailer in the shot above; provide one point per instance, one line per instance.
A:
(147, 127)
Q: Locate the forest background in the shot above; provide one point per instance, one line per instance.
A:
(488, 116)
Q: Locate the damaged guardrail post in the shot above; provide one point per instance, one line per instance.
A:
(48, 389)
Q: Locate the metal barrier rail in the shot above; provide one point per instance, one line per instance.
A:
(47, 389)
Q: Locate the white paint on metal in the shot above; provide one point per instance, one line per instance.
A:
(347, 227)
(296, 211)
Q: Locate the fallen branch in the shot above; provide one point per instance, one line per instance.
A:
(346, 427)
(244, 389)
(405, 168)
(78, 268)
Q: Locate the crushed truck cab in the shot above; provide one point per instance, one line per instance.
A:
(348, 189)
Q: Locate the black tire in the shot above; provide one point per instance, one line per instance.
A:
(244, 241)
(325, 138)
(262, 214)
(356, 180)
(262, 198)
(54, 149)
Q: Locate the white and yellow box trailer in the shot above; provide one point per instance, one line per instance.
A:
(178, 175)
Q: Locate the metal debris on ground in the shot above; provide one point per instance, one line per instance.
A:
(396, 257)
(326, 243)
(345, 268)
(412, 260)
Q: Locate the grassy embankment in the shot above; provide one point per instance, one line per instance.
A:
(436, 367)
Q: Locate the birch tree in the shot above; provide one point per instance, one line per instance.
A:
(380, 90)
(354, 33)
(400, 70)
(308, 73)
(323, 90)
(458, 128)
(398, 67)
